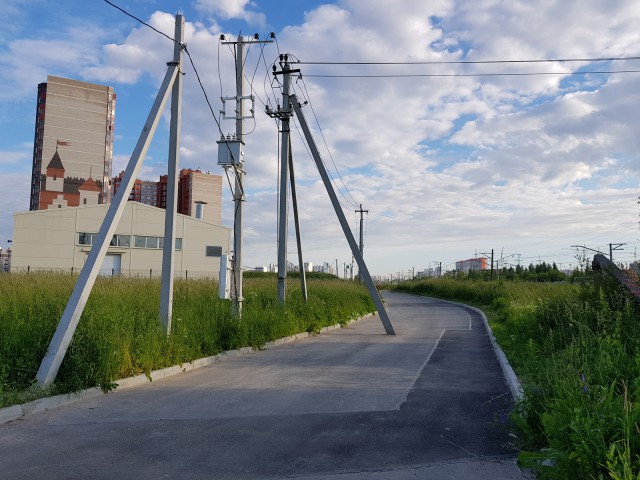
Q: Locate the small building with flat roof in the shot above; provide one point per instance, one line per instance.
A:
(60, 239)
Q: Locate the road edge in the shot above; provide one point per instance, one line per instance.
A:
(15, 412)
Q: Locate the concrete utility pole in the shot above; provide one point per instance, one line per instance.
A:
(238, 167)
(284, 180)
(294, 201)
(77, 301)
(284, 114)
(361, 212)
(169, 247)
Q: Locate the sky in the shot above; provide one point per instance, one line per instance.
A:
(452, 160)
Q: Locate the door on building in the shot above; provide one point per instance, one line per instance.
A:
(111, 265)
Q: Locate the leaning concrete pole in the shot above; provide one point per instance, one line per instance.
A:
(169, 248)
(296, 221)
(73, 311)
(375, 296)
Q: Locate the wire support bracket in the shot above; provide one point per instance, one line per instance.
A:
(236, 115)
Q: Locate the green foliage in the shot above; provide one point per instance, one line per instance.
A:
(576, 349)
(119, 334)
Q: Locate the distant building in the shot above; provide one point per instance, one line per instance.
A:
(196, 187)
(5, 260)
(60, 239)
(143, 191)
(325, 268)
(471, 264)
(198, 193)
(78, 118)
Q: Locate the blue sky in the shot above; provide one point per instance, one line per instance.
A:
(446, 166)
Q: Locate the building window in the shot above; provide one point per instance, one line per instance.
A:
(123, 241)
(140, 242)
(120, 241)
(213, 251)
(85, 238)
(153, 243)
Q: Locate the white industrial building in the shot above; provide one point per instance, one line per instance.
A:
(60, 239)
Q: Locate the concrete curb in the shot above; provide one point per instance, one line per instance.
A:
(15, 412)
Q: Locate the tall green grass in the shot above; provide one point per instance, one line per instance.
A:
(576, 349)
(119, 333)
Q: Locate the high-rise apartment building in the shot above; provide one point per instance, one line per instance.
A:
(199, 193)
(74, 122)
(196, 187)
(143, 191)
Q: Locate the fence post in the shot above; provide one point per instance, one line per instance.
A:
(150, 272)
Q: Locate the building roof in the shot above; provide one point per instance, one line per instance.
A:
(56, 162)
(90, 185)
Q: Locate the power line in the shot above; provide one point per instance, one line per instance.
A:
(142, 22)
(494, 74)
(475, 62)
(353, 201)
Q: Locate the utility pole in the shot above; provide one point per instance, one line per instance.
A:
(284, 182)
(284, 114)
(486, 255)
(169, 247)
(361, 212)
(491, 276)
(66, 328)
(238, 167)
(614, 246)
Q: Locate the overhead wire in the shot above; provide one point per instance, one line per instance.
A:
(452, 75)
(141, 21)
(183, 46)
(350, 200)
(476, 62)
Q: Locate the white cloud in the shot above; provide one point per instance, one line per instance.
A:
(445, 165)
(230, 9)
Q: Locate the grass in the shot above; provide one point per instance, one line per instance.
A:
(119, 333)
(576, 349)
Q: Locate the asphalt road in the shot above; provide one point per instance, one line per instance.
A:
(354, 403)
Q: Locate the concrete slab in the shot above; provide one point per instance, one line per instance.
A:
(352, 401)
